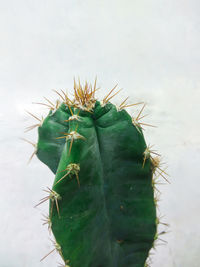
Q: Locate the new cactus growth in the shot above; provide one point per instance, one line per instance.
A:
(102, 208)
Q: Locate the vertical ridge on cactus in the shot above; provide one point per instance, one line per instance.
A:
(102, 207)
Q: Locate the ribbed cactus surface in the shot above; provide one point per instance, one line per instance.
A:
(102, 210)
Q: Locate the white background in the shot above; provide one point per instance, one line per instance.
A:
(152, 50)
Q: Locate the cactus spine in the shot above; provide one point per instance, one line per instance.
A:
(102, 208)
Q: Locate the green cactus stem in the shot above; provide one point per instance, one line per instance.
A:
(102, 207)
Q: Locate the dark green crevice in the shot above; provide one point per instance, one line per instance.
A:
(103, 188)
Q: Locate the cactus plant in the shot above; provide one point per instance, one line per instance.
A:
(102, 205)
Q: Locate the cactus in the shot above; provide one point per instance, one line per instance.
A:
(102, 205)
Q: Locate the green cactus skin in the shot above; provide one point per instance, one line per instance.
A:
(49, 149)
(102, 208)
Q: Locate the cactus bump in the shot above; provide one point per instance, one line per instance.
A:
(102, 204)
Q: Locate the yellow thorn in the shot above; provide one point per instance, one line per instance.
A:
(33, 144)
(109, 93)
(158, 221)
(31, 156)
(72, 168)
(48, 254)
(58, 94)
(33, 116)
(144, 116)
(57, 207)
(78, 112)
(75, 83)
(147, 154)
(70, 109)
(160, 173)
(121, 105)
(163, 171)
(49, 101)
(29, 128)
(62, 177)
(126, 106)
(77, 178)
(138, 116)
(60, 137)
(76, 128)
(144, 161)
(74, 117)
(113, 96)
(72, 139)
(42, 201)
(95, 83)
(47, 221)
(43, 105)
(65, 94)
(148, 125)
(79, 83)
(53, 196)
